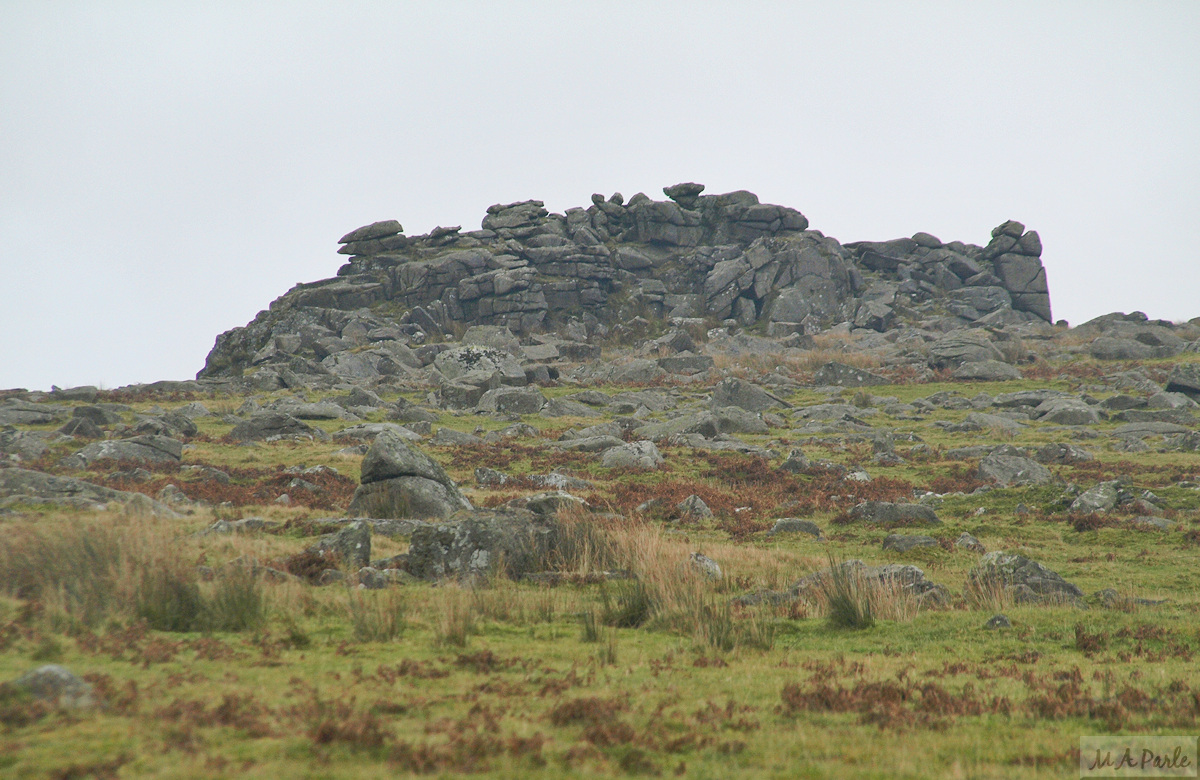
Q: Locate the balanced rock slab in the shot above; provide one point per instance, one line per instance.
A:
(399, 480)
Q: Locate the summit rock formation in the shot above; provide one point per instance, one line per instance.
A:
(694, 257)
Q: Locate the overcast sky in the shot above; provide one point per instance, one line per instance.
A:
(168, 169)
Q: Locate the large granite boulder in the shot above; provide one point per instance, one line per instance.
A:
(724, 420)
(478, 543)
(494, 336)
(22, 445)
(1098, 498)
(399, 480)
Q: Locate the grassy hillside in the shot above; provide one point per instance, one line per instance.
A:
(222, 654)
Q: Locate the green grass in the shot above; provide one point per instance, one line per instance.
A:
(658, 675)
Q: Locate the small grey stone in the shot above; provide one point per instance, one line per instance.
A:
(694, 506)
(706, 566)
(966, 541)
(58, 686)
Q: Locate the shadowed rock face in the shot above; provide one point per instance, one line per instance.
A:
(694, 255)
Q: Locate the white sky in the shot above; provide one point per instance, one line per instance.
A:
(167, 169)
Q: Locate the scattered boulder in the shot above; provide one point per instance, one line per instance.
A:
(351, 545)
(705, 566)
(742, 394)
(1185, 378)
(82, 428)
(400, 481)
(639, 455)
(986, 371)
(889, 514)
(19, 485)
(903, 542)
(797, 462)
(966, 541)
(1007, 466)
(271, 426)
(57, 687)
(1027, 581)
(459, 361)
(962, 346)
(909, 578)
(591, 444)
(1066, 411)
(841, 375)
(142, 449)
(493, 336)
(476, 544)
(549, 502)
(512, 400)
(22, 445)
(1099, 498)
(997, 622)
(685, 363)
(97, 414)
(795, 525)
(693, 506)
(371, 431)
(450, 437)
(1062, 453)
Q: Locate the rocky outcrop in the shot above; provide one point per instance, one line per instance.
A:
(694, 255)
(1016, 261)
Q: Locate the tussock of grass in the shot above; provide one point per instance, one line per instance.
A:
(377, 616)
